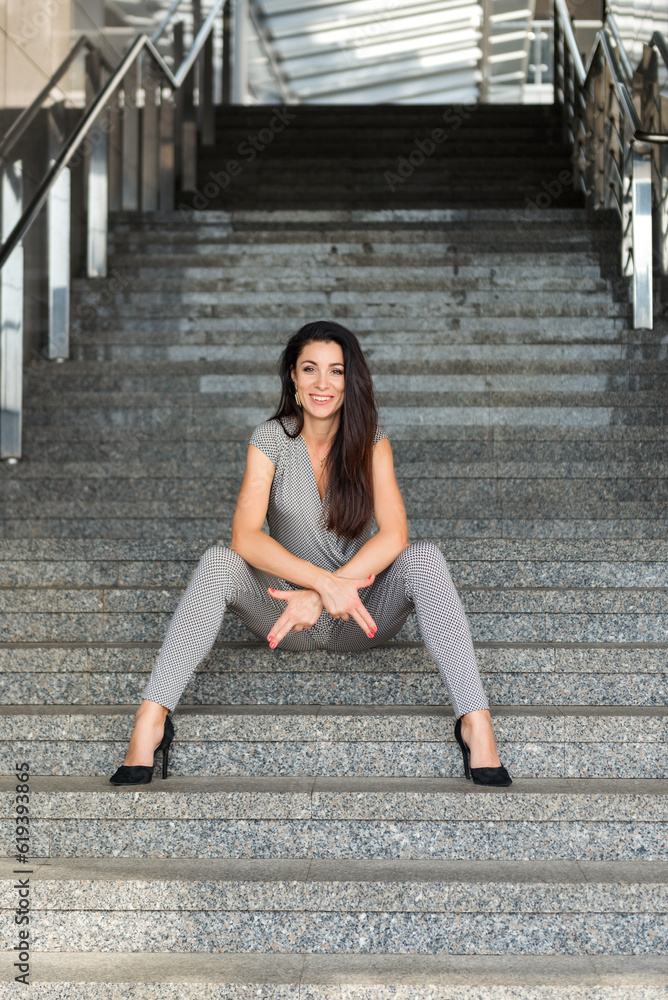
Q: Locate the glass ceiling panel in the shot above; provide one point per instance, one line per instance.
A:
(374, 51)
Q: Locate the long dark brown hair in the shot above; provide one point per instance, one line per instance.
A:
(349, 505)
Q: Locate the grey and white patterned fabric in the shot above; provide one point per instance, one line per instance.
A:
(418, 580)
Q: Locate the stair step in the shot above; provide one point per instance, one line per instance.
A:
(344, 908)
(337, 818)
(262, 330)
(193, 976)
(160, 558)
(127, 359)
(216, 404)
(336, 248)
(320, 740)
(583, 378)
(620, 364)
(397, 673)
(441, 306)
(200, 286)
(438, 465)
(564, 525)
(425, 500)
(621, 446)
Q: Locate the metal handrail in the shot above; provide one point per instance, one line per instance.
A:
(611, 24)
(585, 75)
(563, 18)
(142, 42)
(21, 123)
(593, 125)
(165, 21)
(658, 42)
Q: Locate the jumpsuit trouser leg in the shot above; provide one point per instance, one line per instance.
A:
(221, 579)
(418, 579)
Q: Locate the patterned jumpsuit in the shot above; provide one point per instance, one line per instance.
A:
(418, 580)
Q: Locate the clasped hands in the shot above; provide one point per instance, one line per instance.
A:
(338, 595)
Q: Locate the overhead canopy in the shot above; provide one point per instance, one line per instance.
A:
(373, 51)
(368, 51)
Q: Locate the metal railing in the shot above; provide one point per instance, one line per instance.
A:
(135, 146)
(614, 146)
(504, 43)
(654, 114)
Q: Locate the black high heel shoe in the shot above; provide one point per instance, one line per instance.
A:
(141, 774)
(497, 776)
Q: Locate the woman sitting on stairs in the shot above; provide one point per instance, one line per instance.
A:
(319, 470)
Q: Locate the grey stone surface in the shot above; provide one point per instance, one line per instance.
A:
(362, 932)
(335, 839)
(321, 740)
(64, 975)
(378, 818)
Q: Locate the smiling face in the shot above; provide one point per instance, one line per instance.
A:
(319, 377)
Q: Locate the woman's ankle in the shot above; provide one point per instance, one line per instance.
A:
(151, 710)
(147, 733)
(478, 734)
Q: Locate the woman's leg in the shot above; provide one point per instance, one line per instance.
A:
(419, 579)
(221, 579)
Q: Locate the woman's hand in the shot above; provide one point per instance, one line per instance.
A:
(303, 608)
(339, 596)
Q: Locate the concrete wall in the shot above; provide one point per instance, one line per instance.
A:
(35, 36)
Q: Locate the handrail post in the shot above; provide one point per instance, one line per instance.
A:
(601, 93)
(188, 179)
(226, 95)
(206, 95)
(150, 151)
(641, 220)
(652, 104)
(167, 148)
(130, 117)
(239, 51)
(11, 317)
(485, 47)
(178, 50)
(185, 126)
(97, 178)
(58, 267)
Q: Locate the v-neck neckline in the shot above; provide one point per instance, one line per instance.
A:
(310, 465)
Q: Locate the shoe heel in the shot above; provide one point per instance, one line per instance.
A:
(466, 753)
(168, 736)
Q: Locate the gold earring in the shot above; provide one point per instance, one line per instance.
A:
(297, 399)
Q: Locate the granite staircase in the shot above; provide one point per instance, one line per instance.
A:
(316, 838)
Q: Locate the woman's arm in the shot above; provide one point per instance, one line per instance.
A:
(390, 514)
